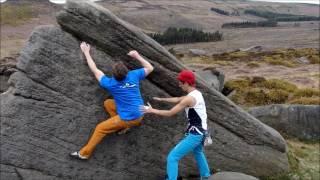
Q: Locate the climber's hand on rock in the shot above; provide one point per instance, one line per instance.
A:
(134, 54)
(85, 48)
(156, 98)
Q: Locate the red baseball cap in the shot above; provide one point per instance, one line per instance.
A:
(187, 76)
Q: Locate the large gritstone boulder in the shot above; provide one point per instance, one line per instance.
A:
(301, 121)
(54, 102)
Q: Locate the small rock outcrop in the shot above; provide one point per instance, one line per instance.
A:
(54, 102)
(301, 121)
(197, 52)
(212, 77)
(232, 176)
(7, 67)
(251, 49)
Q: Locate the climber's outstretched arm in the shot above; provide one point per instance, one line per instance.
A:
(85, 48)
(148, 68)
(170, 100)
(187, 101)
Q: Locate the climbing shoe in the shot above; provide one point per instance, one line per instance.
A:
(204, 178)
(77, 155)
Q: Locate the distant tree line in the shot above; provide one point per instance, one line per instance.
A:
(298, 18)
(248, 24)
(280, 17)
(185, 35)
(226, 13)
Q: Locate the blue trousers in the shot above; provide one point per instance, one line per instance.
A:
(189, 143)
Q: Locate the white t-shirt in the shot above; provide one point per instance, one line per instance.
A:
(197, 115)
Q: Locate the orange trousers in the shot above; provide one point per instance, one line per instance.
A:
(113, 124)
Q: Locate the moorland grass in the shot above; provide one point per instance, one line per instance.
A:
(259, 91)
(279, 57)
(304, 158)
(15, 15)
(253, 64)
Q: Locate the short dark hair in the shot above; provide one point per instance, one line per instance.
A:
(119, 71)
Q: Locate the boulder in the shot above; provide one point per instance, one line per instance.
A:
(231, 176)
(54, 103)
(197, 52)
(302, 60)
(301, 121)
(212, 77)
(7, 67)
(252, 49)
(3, 83)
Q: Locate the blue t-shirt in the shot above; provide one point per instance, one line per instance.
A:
(126, 93)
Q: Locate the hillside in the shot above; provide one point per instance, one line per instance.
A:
(156, 16)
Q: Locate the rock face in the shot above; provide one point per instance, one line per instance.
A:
(231, 176)
(197, 52)
(300, 121)
(54, 102)
(212, 78)
(7, 67)
(252, 49)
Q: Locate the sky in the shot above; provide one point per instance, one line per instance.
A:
(290, 1)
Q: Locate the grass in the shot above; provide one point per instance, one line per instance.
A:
(11, 47)
(276, 84)
(304, 158)
(253, 64)
(239, 54)
(306, 96)
(305, 100)
(306, 92)
(286, 57)
(223, 63)
(204, 60)
(314, 59)
(316, 75)
(259, 91)
(279, 61)
(15, 15)
(279, 57)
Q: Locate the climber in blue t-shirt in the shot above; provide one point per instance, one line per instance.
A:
(124, 110)
(126, 93)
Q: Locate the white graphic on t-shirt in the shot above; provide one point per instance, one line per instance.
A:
(128, 85)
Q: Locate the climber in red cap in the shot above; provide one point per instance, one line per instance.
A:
(195, 108)
(187, 77)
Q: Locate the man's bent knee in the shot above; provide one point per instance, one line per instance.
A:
(108, 102)
(100, 126)
(134, 123)
(172, 157)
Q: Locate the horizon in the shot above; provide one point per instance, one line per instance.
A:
(276, 1)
